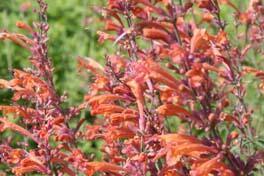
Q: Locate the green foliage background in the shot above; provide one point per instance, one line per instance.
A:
(73, 26)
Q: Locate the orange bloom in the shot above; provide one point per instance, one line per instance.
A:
(138, 91)
(105, 109)
(93, 167)
(19, 39)
(24, 26)
(212, 165)
(91, 65)
(156, 34)
(156, 72)
(30, 164)
(172, 110)
(200, 40)
(12, 126)
(104, 99)
(188, 149)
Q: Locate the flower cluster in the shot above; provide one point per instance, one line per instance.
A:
(173, 60)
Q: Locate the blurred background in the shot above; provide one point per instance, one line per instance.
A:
(73, 26)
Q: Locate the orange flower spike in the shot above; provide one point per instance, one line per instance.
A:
(100, 84)
(210, 67)
(28, 165)
(156, 34)
(24, 26)
(12, 126)
(119, 133)
(178, 139)
(19, 171)
(188, 149)
(106, 109)
(140, 13)
(93, 167)
(118, 118)
(171, 110)
(138, 92)
(157, 73)
(200, 40)
(13, 109)
(15, 155)
(67, 171)
(111, 26)
(193, 151)
(104, 99)
(91, 65)
(104, 36)
(20, 40)
(207, 17)
(213, 164)
(5, 84)
(130, 111)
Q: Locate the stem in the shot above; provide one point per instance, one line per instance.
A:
(176, 31)
(174, 22)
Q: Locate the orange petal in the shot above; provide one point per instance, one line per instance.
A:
(91, 65)
(12, 126)
(156, 34)
(178, 139)
(106, 109)
(157, 73)
(103, 167)
(213, 164)
(19, 39)
(200, 40)
(104, 99)
(28, 165)
(138, 92)
(24, 26)
(171, 110)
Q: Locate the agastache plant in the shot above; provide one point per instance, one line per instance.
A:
(167, 65)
